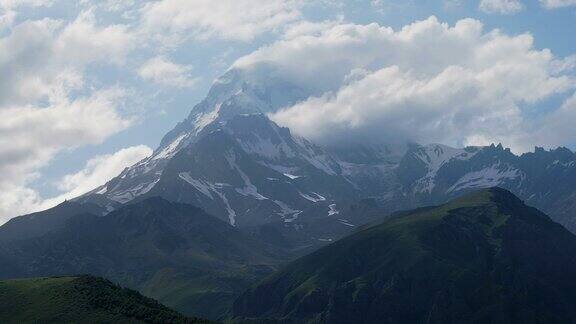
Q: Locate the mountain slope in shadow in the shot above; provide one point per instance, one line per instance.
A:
(485, 257)
(172, 252)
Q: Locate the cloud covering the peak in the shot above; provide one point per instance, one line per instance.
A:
(427, 82)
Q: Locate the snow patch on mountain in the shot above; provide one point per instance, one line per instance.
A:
(204, 119)
(207, 188)
(292, 217)
(346, 222)
(313, 197)
(292, 176)
(332, 210)
(229, 209)
(266, 148)
(288, 214)
(492, 176)
(435, 156)
(200, 185)
(322, 163)
(249, 189)
(127, 195)
(558, 163)
(170, 150)
(315, 156)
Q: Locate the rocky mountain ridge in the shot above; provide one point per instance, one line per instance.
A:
(230, 159)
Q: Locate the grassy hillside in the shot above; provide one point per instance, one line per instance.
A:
(174, 253)
(82, 299)
(483, 258)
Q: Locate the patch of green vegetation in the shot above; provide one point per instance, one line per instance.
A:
(485, 257)
(206, 294)
(175, 253)
(82, 299)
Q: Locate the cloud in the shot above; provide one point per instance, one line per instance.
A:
(47, 103)
(554, 4)
(31, 136)
(41, 76)
(503, 7)
(8, 9)
(118, 5)
(43, 59)
(17, 200)
(84, 41)
(6, 19)
(50, 99)
(557, 128)
(427, 82)
(172, 21)
(164, 72)
(452, 4)
(53, 95)
(97, 171)
(12, 4)
(308, 28)
(564, 65)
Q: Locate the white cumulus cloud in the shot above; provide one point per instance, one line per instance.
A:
(30, 137)
(8, 9)
(11, 4)
(162, 71)
(174, 20)
(97, 171)
(504, 7)
(554, 4)
(427, 82)
(47, 105)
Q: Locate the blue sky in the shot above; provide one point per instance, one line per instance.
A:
(125, 72)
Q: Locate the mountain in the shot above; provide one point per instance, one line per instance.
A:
(228, 158)
(231, 160)
(172, 252)
(308, 234)
(40, 223)
(276, 193)
(433, 174)
(249, 171)
(482, 258)
(79, 299)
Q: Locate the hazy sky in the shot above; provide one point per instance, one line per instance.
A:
(90, 87)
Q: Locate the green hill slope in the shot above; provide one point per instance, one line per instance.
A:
(174, 253)
(81, 299)
(484, 258)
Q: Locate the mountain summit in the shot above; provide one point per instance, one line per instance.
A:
(230, 159)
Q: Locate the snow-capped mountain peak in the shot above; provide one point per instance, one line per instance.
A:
(228, 158)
